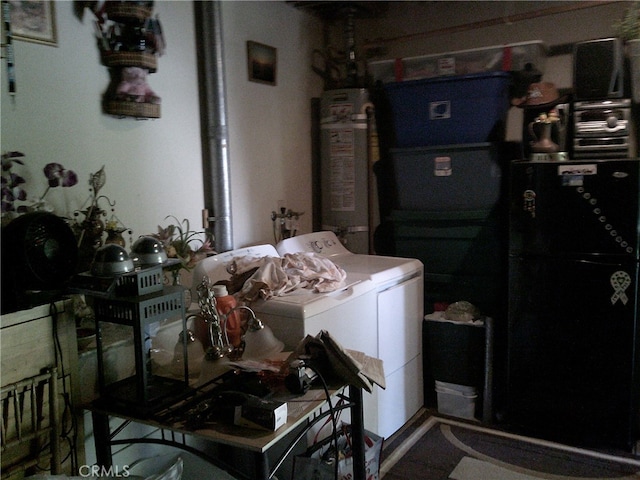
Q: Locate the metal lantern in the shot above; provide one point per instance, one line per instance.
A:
(145, 331)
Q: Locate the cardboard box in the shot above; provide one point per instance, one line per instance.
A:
(262, 414)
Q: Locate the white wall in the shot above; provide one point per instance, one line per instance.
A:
(269, 126)
(154, 167)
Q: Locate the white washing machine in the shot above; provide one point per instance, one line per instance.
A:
(399, 310)
(349, 314)
(346, 313)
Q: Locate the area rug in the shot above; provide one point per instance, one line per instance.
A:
(438, 448)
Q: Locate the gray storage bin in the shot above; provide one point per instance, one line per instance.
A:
(447, 178)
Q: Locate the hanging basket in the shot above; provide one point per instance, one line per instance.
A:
(132, 109)
(126, 12)
(130, 59)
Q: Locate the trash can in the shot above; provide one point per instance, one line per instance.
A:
(459, 364)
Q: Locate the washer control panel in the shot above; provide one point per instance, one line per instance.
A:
(326, 243)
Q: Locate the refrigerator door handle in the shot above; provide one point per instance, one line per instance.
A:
(603, 263)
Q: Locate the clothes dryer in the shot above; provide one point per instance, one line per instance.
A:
(399, 310)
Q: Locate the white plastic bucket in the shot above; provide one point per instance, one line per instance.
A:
(456, 400)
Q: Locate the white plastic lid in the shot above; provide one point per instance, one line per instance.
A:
(220, 291)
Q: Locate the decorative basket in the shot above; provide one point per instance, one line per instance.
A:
(126, 12)
(132, 109)
(130, 59)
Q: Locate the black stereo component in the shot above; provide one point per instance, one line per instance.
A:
(598, 69)
(602, 128)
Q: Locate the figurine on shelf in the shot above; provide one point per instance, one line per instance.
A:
(133, 87)
(540, 131)
(114, 230)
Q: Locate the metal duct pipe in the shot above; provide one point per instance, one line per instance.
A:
(215, 135)
(350, 47)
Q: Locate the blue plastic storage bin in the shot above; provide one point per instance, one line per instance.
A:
(449, 110)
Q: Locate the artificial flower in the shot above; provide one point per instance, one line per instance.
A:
(57, 175)
(11, 182)
(13, 191)
(551, 117)
(184, 244)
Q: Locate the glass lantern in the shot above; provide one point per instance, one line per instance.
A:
(142, 348)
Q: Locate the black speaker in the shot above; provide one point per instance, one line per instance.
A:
(598, 69)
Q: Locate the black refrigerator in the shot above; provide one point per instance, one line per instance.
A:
(573, 333)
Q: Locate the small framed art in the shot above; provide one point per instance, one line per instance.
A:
(33, 21)
(261, 63)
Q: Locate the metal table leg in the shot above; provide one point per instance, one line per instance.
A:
(102, 439)
(357, 433)
(261, 466)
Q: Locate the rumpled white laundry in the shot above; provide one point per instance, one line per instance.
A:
(289, 274)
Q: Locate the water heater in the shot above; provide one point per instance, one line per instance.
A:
(344, 166)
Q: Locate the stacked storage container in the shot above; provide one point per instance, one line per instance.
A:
(446, 159)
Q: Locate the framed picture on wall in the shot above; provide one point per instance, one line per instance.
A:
(33, 21)
(261, 63)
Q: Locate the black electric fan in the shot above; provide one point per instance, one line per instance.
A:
(39, 256)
